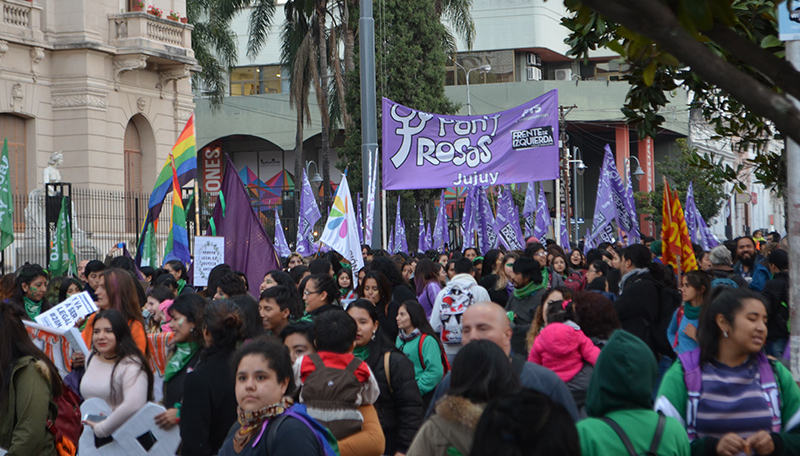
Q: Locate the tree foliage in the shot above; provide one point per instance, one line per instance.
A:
(709, 192)
(214, 46)
(725, 51)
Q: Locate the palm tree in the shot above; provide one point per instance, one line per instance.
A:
(457, 12)
(214, 46)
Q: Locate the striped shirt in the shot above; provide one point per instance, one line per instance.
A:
(732, 400)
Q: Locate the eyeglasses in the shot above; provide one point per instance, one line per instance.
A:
(540, 254)
(306, 292)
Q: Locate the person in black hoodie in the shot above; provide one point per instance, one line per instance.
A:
(399, 405)
(776, 294)
(209, 397)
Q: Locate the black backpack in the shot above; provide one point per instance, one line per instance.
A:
(653, 450)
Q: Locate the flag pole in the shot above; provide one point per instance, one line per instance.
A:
(197, 209)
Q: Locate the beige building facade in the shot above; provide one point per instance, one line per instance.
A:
(101, 80)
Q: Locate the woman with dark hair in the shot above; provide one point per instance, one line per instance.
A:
(117, 290)
(298, 339)
(321, 295)
(577, 260)
(422, 346)
(159, 298)
(740, 401)
(442, 258)
(252, 325)
(30, 287)
(426, 282)
(29, 384)
(399, 404)
(596, 316)
(294, 260)
(230, 285)
(216, 273)
(401, 290)
(209, 399)
(471, 253)
(178, 270)
(682, 330)
(527, 422)
(481, 373)
(375, 289)
(117, 372)
(267, 419)
(407, 271)
(276, 277)
(493, 278)
(344, 278)
(298, 273)
(550, 296)
(187, 341)
(69, 287)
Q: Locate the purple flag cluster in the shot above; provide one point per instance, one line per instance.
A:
(469, 225)
(543, 222)
(487, 233)
(698, 229)
(507, 222)
(309, 215)
(441, 235)
(281, 246)
(529, 209)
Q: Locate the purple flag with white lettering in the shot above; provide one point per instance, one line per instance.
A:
(564, 238)
(542, 227)
(604, 208)
(695, 223)
(508, 229)
(529, 209)
(487, 234)
(281, 246)
(622, 208)
(309, 215)
(634, 237)
(441, 236)
(429, 237)
(469, 218)
(360, 227)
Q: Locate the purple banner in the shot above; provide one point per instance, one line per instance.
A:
(695, 222)
(424, 150)
(469, 218)
(309, 214)
(487, 234)
(281, 246)
(542, 227)
(625, 209)
(441, 234)
(529, 209)
(634, 236)
(507, 225)
(429, 238)
(564, 233)
(400, 243)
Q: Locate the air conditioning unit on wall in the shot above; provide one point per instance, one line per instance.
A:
(564, 74)
(533, 59)
(534, 73)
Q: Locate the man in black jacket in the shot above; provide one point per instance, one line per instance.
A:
(776, 294)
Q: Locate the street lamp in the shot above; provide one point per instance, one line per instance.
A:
(639, 172)
(580, 167)
(483, 69)
(316, 179)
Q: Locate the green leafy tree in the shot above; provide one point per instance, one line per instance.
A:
(725, 51)
(709, 191)
(214, 46)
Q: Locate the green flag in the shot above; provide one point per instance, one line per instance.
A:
(149, 247)
(62, 255)
(6, 201)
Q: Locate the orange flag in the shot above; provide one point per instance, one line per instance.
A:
(676, 245)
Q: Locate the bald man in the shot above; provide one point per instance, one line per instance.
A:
(487, 320)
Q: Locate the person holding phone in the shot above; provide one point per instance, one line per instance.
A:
(116, 372)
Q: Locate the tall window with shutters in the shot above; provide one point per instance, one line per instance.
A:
(133, 178)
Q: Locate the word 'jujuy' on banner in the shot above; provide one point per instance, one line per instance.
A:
(424, 150)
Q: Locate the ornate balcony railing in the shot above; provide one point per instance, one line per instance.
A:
(139, 32)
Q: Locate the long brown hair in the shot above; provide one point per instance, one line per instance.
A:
(538, 316)
(122, 294)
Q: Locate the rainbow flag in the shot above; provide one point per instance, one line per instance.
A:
(178, 240)
(184, 161)
(676, 245)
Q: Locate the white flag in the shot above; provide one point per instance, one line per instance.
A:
(341, 229)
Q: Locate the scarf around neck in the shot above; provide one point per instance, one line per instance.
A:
(184, 351)
(531, 287)
(181, 284)
(32, 308)
(407, 337)
(250, 422)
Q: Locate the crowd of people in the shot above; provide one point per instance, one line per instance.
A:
(531, 352)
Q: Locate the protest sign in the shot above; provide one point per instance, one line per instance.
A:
(425, 150)
(57, 344)
(209, 251)
(64, 315)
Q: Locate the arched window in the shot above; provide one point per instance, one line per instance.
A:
(13, 129)
(133, 176)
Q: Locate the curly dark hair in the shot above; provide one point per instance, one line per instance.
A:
(596, 315)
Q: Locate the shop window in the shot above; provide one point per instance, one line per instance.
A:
(255, 80)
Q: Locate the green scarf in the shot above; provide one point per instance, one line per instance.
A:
(184, 351)
(32, 308)
(361, 353)
(691, 312)
(181, 284)
(531, 288)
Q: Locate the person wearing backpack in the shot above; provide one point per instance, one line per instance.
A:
(730, 398)
(722, 269)
(619, 405)
(333, 382)
(268, 421)
(776, 297)
(418, 341)
(29, 386)
(461, 292)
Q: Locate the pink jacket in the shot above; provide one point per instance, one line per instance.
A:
(563, 349)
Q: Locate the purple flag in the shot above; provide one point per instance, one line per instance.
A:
(400, 242)
(309, 215)
(360, 227)
(372, 169)
(421, 247)
(542, 227)
(469, 218)
(441, 235)
(695, 222)
(390, 246)
(564, 238)
(423, 150)
(429, 237)
(508, 229)
(247, 246)
(634, 236)
(604, 208)
(487, 234)
(625, 211)
(281, 246)
(529, 209)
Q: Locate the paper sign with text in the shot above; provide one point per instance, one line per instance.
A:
(209, 251)
(64, 315)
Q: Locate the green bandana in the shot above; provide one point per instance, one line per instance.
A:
(184, 351)
(531, 288)
(691, 312)
(181, 284)
(32, 308)
(361, 353)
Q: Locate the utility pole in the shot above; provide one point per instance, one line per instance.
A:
(793, 194)
(562, 195)
(369, 114)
